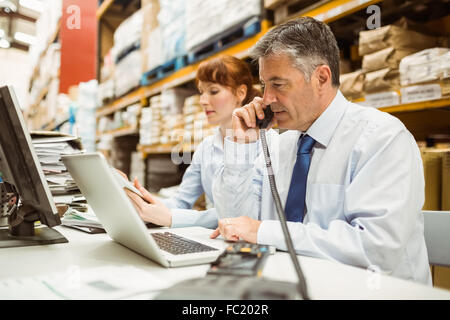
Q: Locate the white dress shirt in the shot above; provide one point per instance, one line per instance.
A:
(364, 195)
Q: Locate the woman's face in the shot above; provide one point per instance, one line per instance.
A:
(218, 102)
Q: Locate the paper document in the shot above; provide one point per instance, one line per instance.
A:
(125, 183)
(109, 282)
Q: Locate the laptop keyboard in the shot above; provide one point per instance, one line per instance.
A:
(175, 244)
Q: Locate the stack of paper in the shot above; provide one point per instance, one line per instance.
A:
(85, 221)
(49, 147)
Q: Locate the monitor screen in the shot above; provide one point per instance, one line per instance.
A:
(19, 165)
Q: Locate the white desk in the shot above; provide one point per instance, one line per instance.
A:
(325, 279)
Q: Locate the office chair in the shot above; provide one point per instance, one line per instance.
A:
(437, 237)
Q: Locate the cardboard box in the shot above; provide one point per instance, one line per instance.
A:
(441, 277)
(432, 166)
(382, 80)
(445, 199)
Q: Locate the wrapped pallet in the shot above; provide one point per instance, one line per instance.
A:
(427, 65)
(205, 19)
(127, 74)
(172, 23)
(151, 40)
(127, 34)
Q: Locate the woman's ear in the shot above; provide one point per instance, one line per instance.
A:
(241, 93)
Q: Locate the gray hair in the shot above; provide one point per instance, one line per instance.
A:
(307, 41)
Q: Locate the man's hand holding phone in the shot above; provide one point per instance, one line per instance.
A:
(246, 121)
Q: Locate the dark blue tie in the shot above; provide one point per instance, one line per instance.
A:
(295, 204)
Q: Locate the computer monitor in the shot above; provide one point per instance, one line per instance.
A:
(20, 167)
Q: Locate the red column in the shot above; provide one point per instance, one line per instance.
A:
(78, 36)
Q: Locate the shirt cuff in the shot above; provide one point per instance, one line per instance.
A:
(271, 233)
(239, 153)
(188, 218)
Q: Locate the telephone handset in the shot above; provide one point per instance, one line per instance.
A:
(262, 124)
(268, 116)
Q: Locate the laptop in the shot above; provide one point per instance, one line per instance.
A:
(116, 213)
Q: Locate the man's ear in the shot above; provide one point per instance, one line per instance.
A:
(323, 75)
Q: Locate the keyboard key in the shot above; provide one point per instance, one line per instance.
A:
(176, 244)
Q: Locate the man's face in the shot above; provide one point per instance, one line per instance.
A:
(290, 97)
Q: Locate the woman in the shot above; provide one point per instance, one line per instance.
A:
(224, 83)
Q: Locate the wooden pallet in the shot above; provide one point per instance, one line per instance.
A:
(228, 38)
(295, 8)
(163, 70)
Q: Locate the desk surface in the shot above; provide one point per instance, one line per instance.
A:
(325, 279)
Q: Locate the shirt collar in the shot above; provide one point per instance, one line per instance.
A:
(323, 128)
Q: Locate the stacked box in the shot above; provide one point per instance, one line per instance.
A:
(196, 126)
(205, 19)
(122, 148)
(151, 40)
(127, 73)
(382, 50)
(427, 65)
(172, 24)
(445, 199)
(150, 125)
(425, 75)
(85, 113)
(161, 172)
(137, 167)
(127, 34)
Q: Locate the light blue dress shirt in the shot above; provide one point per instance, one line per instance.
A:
(365, 191)
(197, 180)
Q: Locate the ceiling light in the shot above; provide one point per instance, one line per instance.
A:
(4, 44)
(8, 6)
(23, 37)
(35, 5)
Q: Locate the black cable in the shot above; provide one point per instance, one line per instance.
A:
(302, 288)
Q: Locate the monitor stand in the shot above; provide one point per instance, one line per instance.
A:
(25, 234)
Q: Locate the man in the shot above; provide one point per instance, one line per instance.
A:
(350, 177)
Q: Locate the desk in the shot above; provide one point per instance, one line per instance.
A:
(325, 279)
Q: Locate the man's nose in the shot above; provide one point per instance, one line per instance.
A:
(268, 96)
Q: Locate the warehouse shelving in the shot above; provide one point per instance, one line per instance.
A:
(104, 6)
(120, 132)
(417, 106)
(327, 11)
(51, 40)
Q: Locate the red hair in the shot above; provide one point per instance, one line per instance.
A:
(228, 71)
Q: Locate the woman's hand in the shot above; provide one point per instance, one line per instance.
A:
(149, 208)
